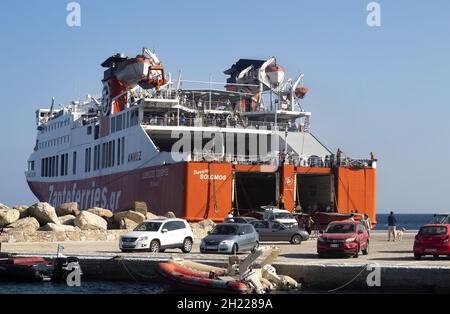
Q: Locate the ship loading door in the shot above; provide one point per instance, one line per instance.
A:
(316, 192)
(254, 189)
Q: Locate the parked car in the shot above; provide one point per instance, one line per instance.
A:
(156, 235)
(432, 239)
(257, 214)
(230, 238)
(440, 219)
(344, 237)
(274, 231)
(240, 220)
(280, 215)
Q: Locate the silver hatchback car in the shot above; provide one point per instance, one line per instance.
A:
(230, 238)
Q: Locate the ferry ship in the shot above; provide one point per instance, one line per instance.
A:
(200, 152)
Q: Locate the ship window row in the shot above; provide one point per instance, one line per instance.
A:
(54, 142)
(54, 166)
(106, 155)
(124, 120)
(56, 125)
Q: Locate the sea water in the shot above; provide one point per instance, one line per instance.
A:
(407, 221)
(91, 287)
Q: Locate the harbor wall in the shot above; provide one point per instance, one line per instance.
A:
(313, 277)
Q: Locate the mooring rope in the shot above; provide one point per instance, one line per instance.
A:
(353, 279)
(129, 270)
(120, 260)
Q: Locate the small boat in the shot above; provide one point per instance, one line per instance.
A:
(25, 269)
(35, 269)
(187, 279)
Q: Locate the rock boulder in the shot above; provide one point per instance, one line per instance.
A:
(67, 209)
(28, 225)
(8, 216)
(68, 220)
(56, 228)
(90, 221)
(140, 207)
(129, 214)
(44, 213)
(102, 212)
(150, 215)
(3, 206)
(23, 210)
(206, 224)
(170, 214)
(128, 224)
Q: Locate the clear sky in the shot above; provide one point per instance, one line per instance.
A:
(384, 89)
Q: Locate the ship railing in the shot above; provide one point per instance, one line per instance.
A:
(174, 120)
(162, 94)
(235, 159)
(355, 163)
(312, 161)
(84, 121)
(328, 161)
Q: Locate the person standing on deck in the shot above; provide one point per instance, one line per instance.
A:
(392, 224)
(281, 202)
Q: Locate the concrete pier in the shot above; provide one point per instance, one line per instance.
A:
(390, 266)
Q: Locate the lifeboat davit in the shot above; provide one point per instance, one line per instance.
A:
(187, 279)
(275, 73)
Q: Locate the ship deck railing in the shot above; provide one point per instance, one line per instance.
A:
(285, 159)
(214, 121)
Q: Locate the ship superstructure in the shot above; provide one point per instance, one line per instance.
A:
(199, 152)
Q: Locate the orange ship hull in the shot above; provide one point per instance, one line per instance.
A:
(199, 190)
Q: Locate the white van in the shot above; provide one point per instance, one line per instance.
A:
(279, 215)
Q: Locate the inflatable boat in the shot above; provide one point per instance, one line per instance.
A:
(187, 279)
(240, 277)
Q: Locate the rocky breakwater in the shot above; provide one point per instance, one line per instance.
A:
(41, 222)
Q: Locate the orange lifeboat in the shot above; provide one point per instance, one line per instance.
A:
(300, 92)
(187, 279)
(275, 73)
(140, 71)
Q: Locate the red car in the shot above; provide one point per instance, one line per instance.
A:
(432, 239)
(344, 237)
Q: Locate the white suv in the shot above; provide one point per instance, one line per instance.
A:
(156, 235)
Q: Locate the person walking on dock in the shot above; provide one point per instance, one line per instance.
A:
(392, 224)
(367, 223)
(309, 222)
